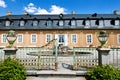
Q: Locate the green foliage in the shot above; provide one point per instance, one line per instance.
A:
(11, 69)
(105, 72)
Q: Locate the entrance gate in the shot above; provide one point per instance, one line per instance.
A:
(39, 58)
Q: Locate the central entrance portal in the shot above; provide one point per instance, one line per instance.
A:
(62, 39)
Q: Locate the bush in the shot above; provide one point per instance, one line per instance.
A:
(11, 69)
(105, 72)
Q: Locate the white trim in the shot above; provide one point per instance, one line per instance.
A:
(2, 38)
(118, 38)
(17, 38)
(87, 39)
(117, 22)
(36, 38)
(72, 38)
(46, 37)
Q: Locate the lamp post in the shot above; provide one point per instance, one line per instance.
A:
(10, 51)
(103, 51)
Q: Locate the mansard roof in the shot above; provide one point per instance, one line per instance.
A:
(63, 16)
(29, 18)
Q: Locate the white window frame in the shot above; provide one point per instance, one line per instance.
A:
(18, 38)
(74, 40)
(50, 36)
(101, 22)
(35, 23)
(2, 38)
(49, 23)
(22, 23)
(117, 22)
(32, 38)
(7, 23)
(61, 22)
(87, 22)
(88, 40)
(73, 22)
(118, 38)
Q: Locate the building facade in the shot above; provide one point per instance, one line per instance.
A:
(72, 30)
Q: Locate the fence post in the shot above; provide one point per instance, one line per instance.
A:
(56, 54)
(103, 54)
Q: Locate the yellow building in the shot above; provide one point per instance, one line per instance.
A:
(72, 30)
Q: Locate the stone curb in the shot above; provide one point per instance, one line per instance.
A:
(56, 73)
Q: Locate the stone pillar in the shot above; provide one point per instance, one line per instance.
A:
(103, 54)
(10, 52)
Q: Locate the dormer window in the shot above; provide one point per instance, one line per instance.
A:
(49, 23)
(73, 23)
(22, 23)
(35, 23)
(87, 22)
(61, 23)
(101, 22)
(7, 23)
(117, 22)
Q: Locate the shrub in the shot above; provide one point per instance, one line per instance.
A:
(105, 72)
(11, 69)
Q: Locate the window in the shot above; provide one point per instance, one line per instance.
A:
(49, 23)
(73, 23)
(61, 23)
(118, 38)
(87, 22)
(117, 22)
(61, 38)
(74, 38)
(35, 23)
(101, 22)
(22, 23)
(7, 23)
(20, 38)
(48, 38)
(4, 38)
(33, 38)
(89, 38)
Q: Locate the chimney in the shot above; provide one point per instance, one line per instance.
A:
(116, 12)
(25, 13)
(73, 12)
(8, 13)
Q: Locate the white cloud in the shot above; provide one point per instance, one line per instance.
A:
(31, 8)
(57, 9)
(3, 4)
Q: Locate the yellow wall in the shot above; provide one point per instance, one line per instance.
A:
(81, 37)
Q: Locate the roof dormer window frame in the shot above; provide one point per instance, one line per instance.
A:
(61, 22)
(7, 23)
(22, 22)
(117, 22)
(101, 22)
(35, 22)
(73, 22)
(49, 22)
(87, 22)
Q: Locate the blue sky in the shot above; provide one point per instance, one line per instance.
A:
(59, 6)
